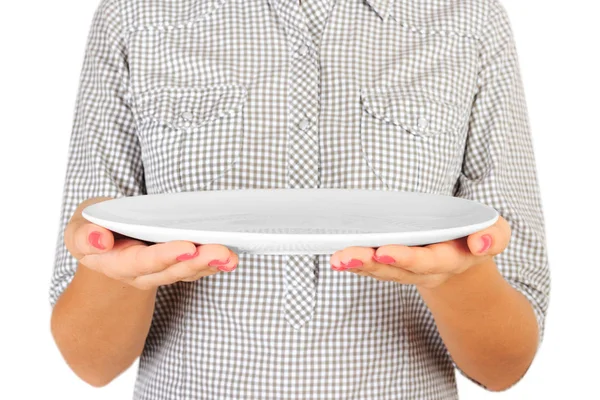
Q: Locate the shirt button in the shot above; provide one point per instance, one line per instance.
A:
(422, 123)
(304, 124)
(187, 116)
(303, 50)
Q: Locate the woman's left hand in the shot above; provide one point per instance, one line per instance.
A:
(424, 266)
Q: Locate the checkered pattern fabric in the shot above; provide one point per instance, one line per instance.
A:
(302, 28)
(404, 95)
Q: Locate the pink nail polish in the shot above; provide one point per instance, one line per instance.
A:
(216, 263)
(188, 256)
(383, 259)
(487, 243)
(338, 267)
(94, 239)
(221, 268)
(354, 263)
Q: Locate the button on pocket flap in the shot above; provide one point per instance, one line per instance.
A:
(192, 107)
(414, 110)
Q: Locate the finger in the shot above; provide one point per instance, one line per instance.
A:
(210, 257)
(83, 238)
(351, 257)
(173, 274)
(205, 272)
(371, 266)
(413, 259)
(385, 272)
(215, 255)
(154, 258)
(361, 273)
(130, 258)
(435, 258)
(492, 240)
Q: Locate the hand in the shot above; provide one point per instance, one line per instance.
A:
(424, 266)
(138, 264)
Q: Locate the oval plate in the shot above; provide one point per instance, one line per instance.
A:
(293, 221)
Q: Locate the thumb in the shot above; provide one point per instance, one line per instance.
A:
(93, 239)
(84, 238)
(492, 240)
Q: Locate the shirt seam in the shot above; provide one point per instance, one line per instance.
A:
(179, 24)
(491, 15)
(436, 31)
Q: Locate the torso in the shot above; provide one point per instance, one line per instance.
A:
(210, 83)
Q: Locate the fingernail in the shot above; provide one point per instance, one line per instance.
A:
(216, 263)
(227, 269)
(187, 256)
(354, 263)
(383, 259)
(486, 241)
(338, 267)
(94, 239)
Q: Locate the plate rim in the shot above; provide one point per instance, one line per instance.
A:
(274, 238)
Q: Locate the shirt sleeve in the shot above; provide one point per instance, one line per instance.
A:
(104, 154)
(499, 165)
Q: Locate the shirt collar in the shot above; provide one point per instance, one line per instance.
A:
(381, 7)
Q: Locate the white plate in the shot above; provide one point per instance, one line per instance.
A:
(293, 221)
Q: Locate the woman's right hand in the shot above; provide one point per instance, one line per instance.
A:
(138, 264)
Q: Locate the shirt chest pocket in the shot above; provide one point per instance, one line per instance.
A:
(411, 139)
(190, 136)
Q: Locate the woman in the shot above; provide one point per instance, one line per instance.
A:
(412, 95)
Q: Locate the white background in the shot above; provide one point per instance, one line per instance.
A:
(42, 44)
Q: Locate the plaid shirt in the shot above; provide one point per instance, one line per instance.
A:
(411, 95)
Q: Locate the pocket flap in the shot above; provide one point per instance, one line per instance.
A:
(415, 110)
(192, 107)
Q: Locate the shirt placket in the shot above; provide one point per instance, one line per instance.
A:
(303, 153)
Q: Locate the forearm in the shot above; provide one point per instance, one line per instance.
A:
(489, 327)
(100, 325)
